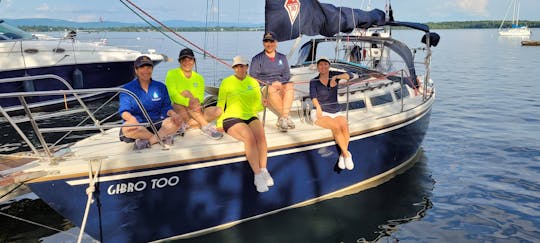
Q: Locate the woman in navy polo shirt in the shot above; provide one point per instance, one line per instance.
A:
(272, 68)
(327, 114)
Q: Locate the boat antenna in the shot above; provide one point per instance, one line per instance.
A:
(178, 35)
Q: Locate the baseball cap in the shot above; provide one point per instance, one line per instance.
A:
(269, 35)
(237, 60)
(321, 59)
(186, 52)
(142, 61)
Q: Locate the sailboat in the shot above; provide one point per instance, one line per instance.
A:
(515, 29)
(199, 185)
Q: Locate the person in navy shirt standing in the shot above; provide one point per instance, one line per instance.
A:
(155, 100)
(323, 91)
(272, 69)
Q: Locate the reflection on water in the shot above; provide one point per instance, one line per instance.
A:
(34, 210)
(370, 215)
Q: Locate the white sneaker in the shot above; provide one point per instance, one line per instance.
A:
(341, 162)
(290, 123)
(282, 124)
(349, 162)
(260, 183)
(267, 177)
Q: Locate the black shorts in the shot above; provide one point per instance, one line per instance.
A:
(229, 122)
(131, 140)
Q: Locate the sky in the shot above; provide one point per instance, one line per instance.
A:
(252, 11)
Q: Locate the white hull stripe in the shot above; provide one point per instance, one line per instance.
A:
(233, 160)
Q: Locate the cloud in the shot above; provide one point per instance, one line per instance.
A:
(43, 8)
(87, 18)
(473, 6)
(8, 2)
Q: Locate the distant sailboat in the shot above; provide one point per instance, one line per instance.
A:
(515, 29)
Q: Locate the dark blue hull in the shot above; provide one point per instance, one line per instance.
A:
(94, 75)
(187, 198)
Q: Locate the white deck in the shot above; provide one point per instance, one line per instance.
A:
(118, 156)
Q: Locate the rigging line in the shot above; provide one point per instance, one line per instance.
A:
(238, 24)
(35, 223)
(206, 28)
(153, 26)
(12, 190)
(178, 35)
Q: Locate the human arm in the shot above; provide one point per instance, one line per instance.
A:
(255, 68)
(221, 101)
(127, 106)
(129, 118)
(174, 87)
(174, 116)
(339, 76)
(317, 106)
(313, 95)
(259, 106)
(286, 72)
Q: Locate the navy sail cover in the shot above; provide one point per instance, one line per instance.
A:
(290, 18)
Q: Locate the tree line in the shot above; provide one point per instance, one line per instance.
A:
(485, 24)
(42, 28)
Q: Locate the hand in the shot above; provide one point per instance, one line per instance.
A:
(194, 104)
(176, 118)
(187, 94)
(319, 113)
(276, 85)
(265, 102)
(131, 121)
(333, 81)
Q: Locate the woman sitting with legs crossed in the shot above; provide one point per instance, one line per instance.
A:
(323, 92)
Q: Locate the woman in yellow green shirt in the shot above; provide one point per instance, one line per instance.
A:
(186, 89)
(240, 99)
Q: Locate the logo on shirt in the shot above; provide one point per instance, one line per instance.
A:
(155, 97)
(195, 85)
(249, 87)
(280, 62)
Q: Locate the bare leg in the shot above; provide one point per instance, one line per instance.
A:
(288, 96)
(212, 113)
(138, 132)
(341, 141)
(182, 112)
(168, 127)
(275, 99)
(195, 112)
(243, 133)
(344, 125)
(260, 138)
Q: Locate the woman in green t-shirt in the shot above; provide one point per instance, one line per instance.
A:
(240, 99)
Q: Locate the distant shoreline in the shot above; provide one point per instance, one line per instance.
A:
(486, 24)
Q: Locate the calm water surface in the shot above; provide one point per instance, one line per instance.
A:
(477, 180)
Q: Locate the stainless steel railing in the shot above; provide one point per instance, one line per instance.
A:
(33, 118)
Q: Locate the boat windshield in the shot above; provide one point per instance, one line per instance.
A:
(8, 32)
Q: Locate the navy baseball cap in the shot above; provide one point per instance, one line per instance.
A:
(269, 35)
(143, 61)
(186, 52)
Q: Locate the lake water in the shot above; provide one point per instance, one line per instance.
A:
(477, 181)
